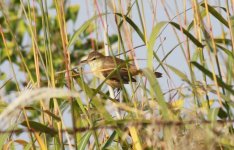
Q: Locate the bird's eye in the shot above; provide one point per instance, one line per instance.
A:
(94, 58)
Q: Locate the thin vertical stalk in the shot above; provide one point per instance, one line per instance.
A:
(62, 25)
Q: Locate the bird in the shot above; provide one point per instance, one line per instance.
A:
(104, 68)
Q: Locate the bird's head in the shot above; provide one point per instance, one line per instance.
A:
(94, 55)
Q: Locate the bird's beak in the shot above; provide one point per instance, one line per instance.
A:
(83, 62)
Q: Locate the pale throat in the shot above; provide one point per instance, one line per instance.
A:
(96, 68)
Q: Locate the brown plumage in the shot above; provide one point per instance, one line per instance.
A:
(102, 66)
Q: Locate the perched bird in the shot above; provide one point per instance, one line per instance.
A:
(103, 67)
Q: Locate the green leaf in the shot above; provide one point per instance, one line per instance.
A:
(5, 136)
(84, 141)
(223, 41)
(152, 39)
(232, 24)
(40, 127)
(2, 76)
(179, 73)
(21, 28)
(7, 51)
(134, 26)
(109, 141)
(91, 28)
(2, 20)
(216, 14)
(213, 113)
(113, 38)
(72, 12)
(52, 115)
(10, 86)
(210, 75)
(94, 99)
(157, 92)
(222, 114)
(82, 29)
(88, 22)
(228, 52)
(3, 105)
(189, 35)
(202, 14)
(212, 11)
(28, 146)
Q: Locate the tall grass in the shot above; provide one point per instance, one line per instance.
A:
(45, 104)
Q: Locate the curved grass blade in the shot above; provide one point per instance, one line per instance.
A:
(88, 22)
(44, 111)
(152, 39)
(189, 35)
(179, 73)
(84, 141)
(216, 14)
(94, 100)
(109, 141)
(82, 29)
(223, 41)
(157, 92)
(202, 14)
(5, 136)
(210, 75)
(229, 53)
(212, 115)
(135, 138)
(134, 26)
(129, 10)
(40, 127)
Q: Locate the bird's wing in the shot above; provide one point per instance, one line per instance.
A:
(123, 72)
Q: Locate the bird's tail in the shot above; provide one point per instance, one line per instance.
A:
(157, 74)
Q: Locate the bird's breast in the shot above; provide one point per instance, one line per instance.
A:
(96, 68)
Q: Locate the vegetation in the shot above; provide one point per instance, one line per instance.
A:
(47, 104)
